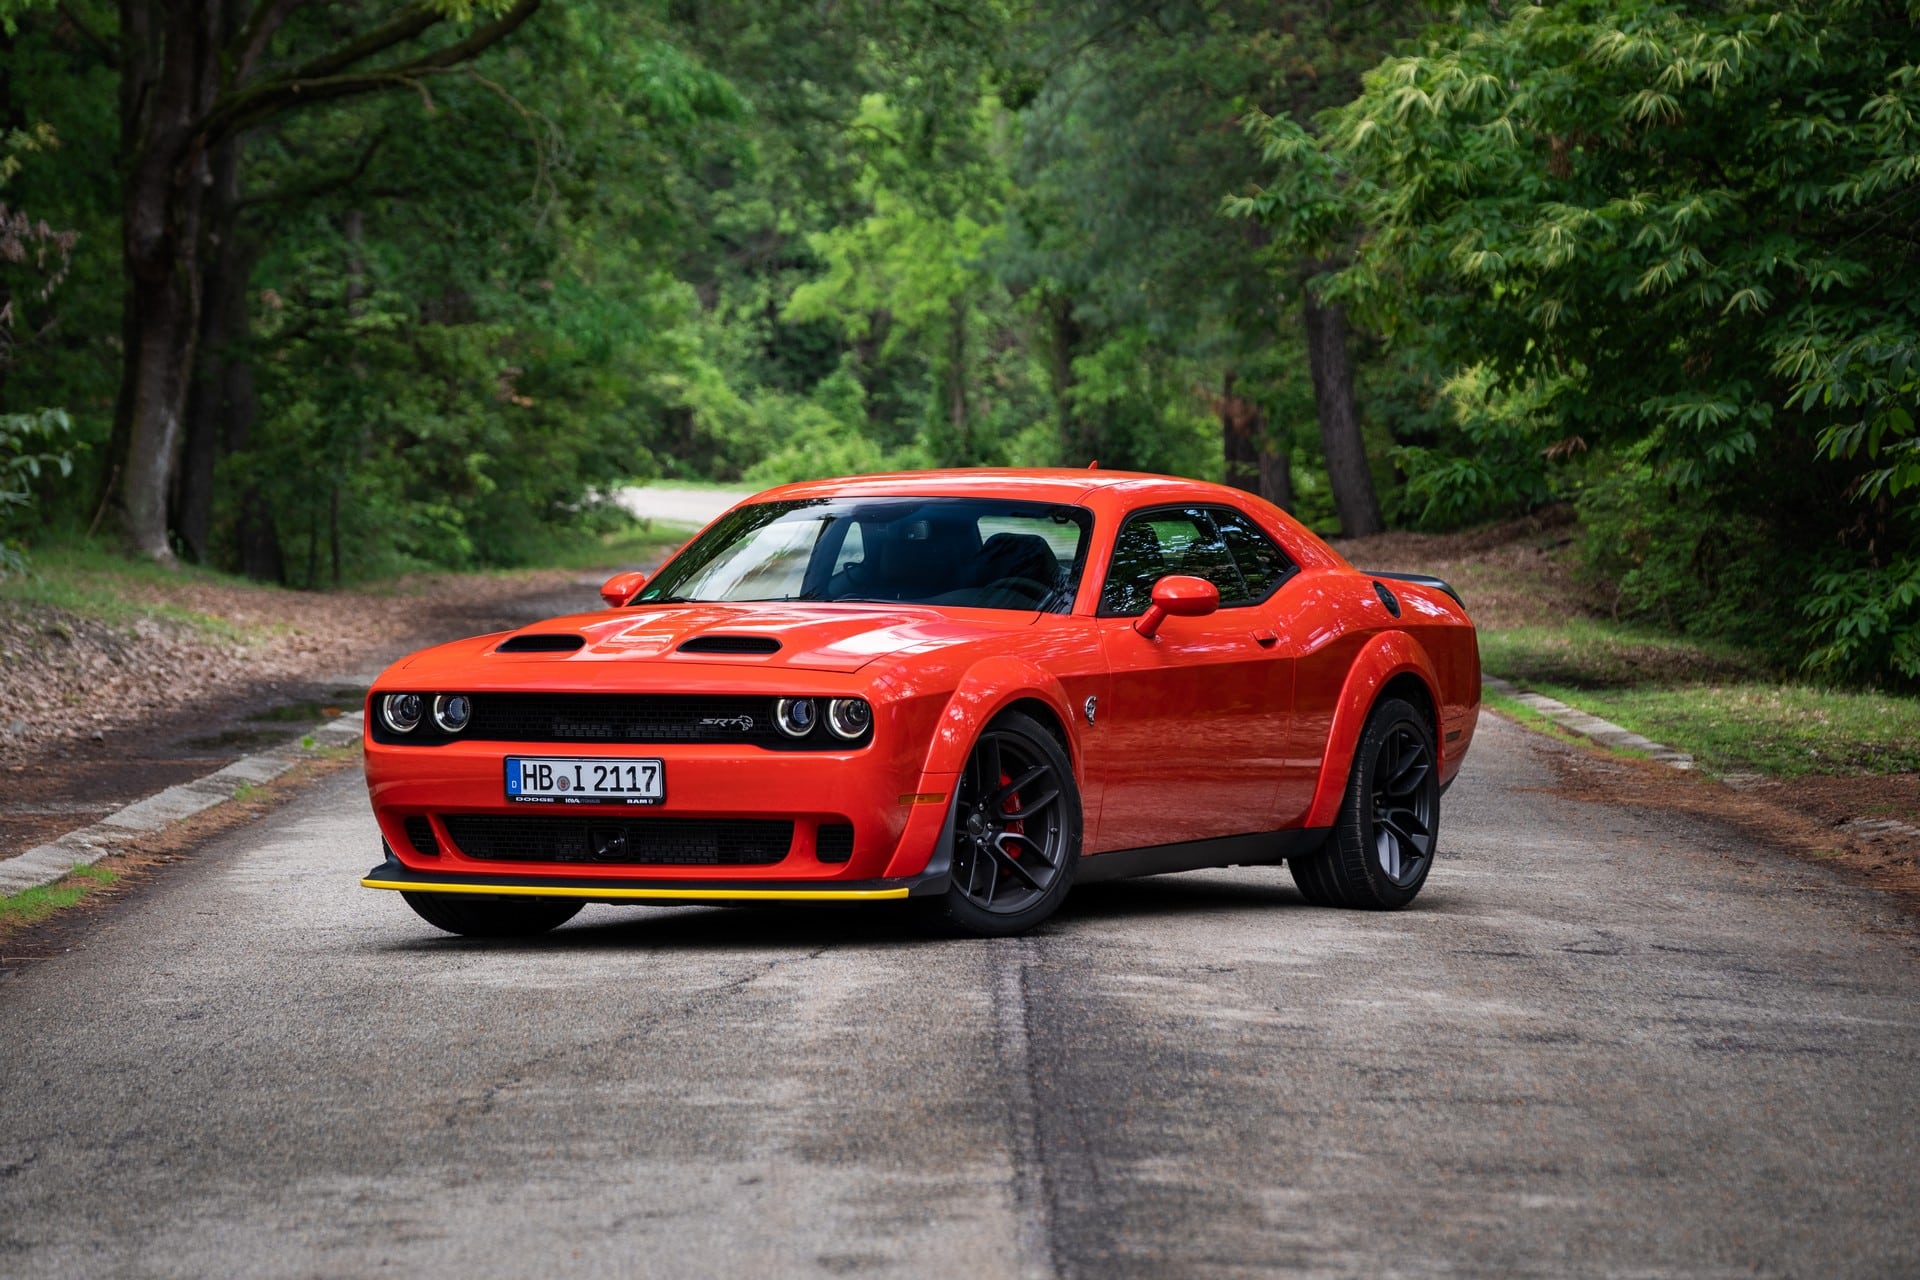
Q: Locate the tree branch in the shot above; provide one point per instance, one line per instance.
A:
(263, 23)
(408, 24)
(324, 186)
(109, 52)
(241, 110)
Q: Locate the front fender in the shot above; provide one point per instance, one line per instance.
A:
(989, 687)
(1387, 655)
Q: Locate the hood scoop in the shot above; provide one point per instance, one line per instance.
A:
(537, 642)
(730, 644)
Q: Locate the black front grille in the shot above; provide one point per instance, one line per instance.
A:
(690, 842)
(609, 717)
(834, 843)
(420, 836)
(594, 719)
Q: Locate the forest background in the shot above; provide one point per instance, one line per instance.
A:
(319, 292)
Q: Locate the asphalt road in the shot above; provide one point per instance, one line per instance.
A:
(1603, 1042)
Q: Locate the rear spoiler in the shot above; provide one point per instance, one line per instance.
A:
(1419, 580)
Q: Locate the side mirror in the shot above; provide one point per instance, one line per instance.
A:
(622, 587)
(1178, 596)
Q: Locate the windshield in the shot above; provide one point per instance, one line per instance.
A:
(971, 552)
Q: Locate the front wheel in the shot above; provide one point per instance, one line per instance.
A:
(485, 917)
(1016, 831)
(1382, 844)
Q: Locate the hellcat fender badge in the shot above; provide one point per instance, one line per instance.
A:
(1093, 705)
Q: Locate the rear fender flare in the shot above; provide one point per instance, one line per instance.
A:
(1387, 655)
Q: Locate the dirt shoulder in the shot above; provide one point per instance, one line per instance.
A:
(96, 712)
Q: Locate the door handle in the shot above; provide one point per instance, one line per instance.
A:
(1265, 638)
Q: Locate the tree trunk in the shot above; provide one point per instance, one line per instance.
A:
(957, 376)
(1347, 473)
(1242, 424)
(1079, 441)
(220, 402)
(169, 80)
(1276, 478)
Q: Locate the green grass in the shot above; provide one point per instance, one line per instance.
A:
(30, 906)
(92, 580)
(1589, 653)
(1723, 707)
(1758, 727)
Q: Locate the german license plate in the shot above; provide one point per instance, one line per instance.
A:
(582, 780)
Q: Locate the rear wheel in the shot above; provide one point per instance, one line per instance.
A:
(1382, 844)
(485, 917)
(1016, 830)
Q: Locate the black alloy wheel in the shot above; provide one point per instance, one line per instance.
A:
(1016, 830)
(482, 916)
(1383, 842)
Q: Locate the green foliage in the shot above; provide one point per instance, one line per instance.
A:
(1677, 558)
(1678, 234)
(1866, 620)
(1651, 256)
(30, 447)
(1491, 454)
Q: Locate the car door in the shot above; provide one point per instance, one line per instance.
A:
(1191, 738)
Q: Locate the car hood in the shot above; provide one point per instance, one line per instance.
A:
(841, 638)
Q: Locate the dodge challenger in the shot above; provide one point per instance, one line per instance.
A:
(967, 690)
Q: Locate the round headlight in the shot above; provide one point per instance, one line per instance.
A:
(402, 711)
(452, 711)
(795, 716)
(849, 717)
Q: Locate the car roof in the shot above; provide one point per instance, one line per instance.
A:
(1041, 484)
(1124, 490)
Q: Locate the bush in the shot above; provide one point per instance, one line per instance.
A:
(28, 451)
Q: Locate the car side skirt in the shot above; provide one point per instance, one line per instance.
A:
(1260, 849)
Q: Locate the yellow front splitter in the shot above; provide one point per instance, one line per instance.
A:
(623, 894)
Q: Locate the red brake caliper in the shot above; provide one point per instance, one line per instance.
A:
(1012, 806)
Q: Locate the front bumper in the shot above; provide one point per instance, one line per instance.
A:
(894, 810)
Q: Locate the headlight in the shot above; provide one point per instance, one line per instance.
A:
(452, 711)
(849, 717)
(795, 716)
(402, 711)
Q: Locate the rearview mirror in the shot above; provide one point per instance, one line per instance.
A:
(1178, 596)
(622, 587)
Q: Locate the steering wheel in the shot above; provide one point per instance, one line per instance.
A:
(1034, 591)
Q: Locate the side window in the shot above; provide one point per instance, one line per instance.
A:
(1263, 565)
(1153, 544)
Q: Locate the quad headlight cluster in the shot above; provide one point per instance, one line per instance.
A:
(403, 712)
(847, 718)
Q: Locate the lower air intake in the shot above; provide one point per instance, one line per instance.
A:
(682, 842)
(420, 836)
(834, 843)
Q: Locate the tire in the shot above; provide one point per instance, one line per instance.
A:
(1017, 831)
(473, 916)
(1382, 844)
